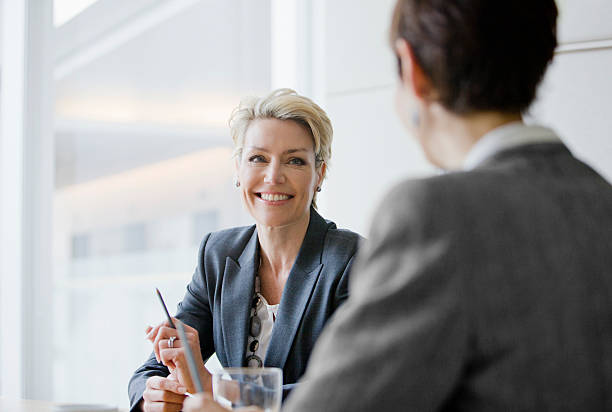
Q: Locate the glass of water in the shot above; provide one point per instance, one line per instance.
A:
(242, 387)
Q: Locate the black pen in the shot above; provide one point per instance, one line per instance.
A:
(165, 309)
(193, 370)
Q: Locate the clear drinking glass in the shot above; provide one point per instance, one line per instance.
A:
(241, 387)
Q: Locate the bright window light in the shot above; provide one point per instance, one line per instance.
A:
(64, 10)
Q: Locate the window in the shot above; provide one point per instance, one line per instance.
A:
(80, 246)
(143, 92)
(134, 238)
(125, 135)
(203, 223)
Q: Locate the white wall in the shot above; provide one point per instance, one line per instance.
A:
(576, 95)
(371, 151)
(576, 101)
(584, 20)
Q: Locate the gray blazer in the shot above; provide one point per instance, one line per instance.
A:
(218, 299)
(486, 290)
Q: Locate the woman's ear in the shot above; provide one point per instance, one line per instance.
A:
(411, 73)
(321, 173)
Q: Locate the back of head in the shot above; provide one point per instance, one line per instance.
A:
(480, 55)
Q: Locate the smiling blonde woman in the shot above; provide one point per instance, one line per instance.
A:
(260, 295)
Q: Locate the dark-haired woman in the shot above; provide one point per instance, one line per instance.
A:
(487, 288)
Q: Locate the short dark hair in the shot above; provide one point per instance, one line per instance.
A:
(480, 55)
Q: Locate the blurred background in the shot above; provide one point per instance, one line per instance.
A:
(116, 156)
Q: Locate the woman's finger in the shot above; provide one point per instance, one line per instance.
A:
(163, 394)
(157, 395)
(163, 332)
(168, 354)
(230, 390)
(176, 361)
(192, 337)
(151, 333)
(162, 407)
(202, 402)
(165, 384)
(172, 357)
(170, 343)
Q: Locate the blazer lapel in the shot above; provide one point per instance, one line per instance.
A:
(298, 289)
(237, 291)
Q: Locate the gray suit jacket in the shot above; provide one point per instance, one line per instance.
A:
(218, 299)
(487, 290)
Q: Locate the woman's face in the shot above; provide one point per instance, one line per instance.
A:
(277, 172)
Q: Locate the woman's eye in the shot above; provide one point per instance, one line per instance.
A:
(296, 161)
(257, 159)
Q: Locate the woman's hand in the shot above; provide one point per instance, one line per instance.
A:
(163, 394)
(160, 334)
(174, 357)
(204, 402)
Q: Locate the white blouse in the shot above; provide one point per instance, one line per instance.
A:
(505, 137)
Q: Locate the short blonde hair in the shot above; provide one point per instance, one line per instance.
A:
(284, 104)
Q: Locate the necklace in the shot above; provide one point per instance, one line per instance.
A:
(254, 361)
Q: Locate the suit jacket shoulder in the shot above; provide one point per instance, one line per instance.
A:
(541, 182)
(340, 244)
(482, 290)
(227, 242)
(524, 241)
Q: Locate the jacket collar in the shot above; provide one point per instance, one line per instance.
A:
(507, 137)
(298, 289)
(238, 287)
(236, 294)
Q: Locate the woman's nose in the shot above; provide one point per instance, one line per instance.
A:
(274, 174)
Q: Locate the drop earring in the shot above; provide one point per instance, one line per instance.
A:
(416, 119)
(236, 181)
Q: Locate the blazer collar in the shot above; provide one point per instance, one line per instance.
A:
(237, 291)
(524, 152)
(238, 287)
(311, 251)
(298, 289)
(507, 137)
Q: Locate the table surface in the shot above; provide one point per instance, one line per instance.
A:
(20, 405)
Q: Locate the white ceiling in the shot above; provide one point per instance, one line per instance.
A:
(198, 49)
(1, 7)
(137, 92)
(64, 10)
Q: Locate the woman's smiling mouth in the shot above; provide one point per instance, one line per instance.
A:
(274, 197)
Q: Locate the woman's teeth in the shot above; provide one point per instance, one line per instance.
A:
(273, 198)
